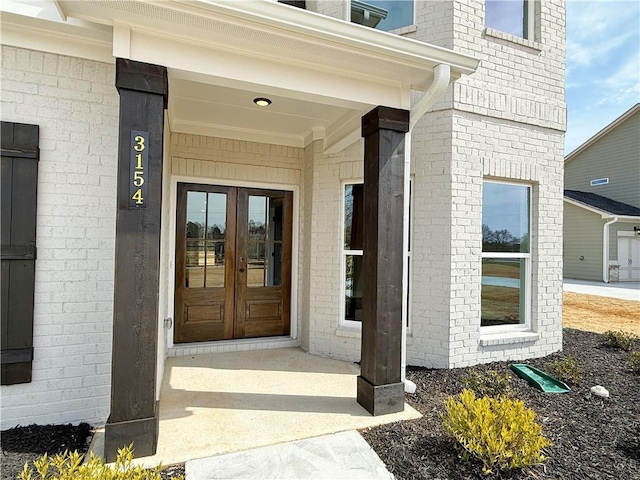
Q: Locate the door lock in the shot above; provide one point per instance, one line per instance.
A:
(241, 269)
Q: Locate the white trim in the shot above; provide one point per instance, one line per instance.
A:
(343, 323)
(175, 179)
(605, 249)
(530, 29)
(528, 268)
(625, 233)
(57, 38)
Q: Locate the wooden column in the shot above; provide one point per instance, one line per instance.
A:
(134, 413)
(380, 387)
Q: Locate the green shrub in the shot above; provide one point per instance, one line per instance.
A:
(488, 383)
(69, 466)
(567, 370)
(619, 339)
(500, 432)
(634, 358)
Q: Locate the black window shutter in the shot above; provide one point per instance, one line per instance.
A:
(295, 3)
(19, 179)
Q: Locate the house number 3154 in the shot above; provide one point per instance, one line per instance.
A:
(138, 169)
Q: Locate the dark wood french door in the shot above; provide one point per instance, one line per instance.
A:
(233, 263)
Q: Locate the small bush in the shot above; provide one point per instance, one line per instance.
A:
(501, 432)
(567, 370)
(488, 383)
(69, 466)
(619, 339)
(634, 359)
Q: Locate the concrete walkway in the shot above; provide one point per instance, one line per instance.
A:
(343, 455)
(621, 290)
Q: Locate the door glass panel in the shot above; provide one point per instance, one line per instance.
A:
(196, 226)
(264, 241)
(206, 229)
(215, 264)
(216, 232)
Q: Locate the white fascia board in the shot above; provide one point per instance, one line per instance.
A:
(54, 37)
(323, 27)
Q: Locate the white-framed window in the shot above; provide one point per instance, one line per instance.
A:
(506, 256)
(352, 254)
(515, 17)
(384, 15)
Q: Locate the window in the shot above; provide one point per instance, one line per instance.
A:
(506, 255)
(352, 253)
(383, 14)
(599, 181)
(510, 16)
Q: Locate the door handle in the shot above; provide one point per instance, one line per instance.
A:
(241, 269)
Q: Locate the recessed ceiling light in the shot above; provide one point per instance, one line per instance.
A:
(262, 102)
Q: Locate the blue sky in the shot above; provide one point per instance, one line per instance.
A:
(603, 65)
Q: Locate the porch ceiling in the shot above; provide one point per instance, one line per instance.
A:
(207, 109)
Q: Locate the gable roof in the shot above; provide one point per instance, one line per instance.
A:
(603, 204)
(629, 113)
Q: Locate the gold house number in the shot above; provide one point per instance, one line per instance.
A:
(138, 175)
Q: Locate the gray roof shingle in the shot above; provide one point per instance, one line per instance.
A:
(603, 203)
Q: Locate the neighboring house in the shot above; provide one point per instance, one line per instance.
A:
(602, 204)
(199, 189)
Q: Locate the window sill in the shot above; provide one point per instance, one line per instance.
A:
(350, 332)
(508, 338)
(404, 30)
(490, 32)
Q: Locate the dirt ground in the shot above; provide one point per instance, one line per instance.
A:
(599, 314)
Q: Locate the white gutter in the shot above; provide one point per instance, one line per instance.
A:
(605, 249)
(441, 78)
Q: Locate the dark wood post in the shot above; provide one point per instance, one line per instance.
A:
(380, 387)
(134, 414)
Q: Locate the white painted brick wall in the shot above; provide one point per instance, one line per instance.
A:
(327, 338)
(76, 105)
(504, 121)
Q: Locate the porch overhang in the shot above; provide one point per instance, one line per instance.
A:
(326, 73)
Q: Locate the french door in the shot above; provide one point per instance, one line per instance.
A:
(233, 263)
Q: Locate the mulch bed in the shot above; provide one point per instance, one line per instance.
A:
(593, 437)
(26, 444)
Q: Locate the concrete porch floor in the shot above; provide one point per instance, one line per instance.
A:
(227, 402)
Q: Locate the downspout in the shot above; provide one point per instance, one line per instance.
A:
(441, 78)
(605, 249)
